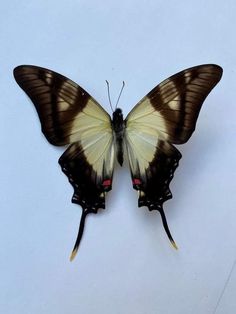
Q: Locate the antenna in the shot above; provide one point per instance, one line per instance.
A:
(123, 85)
(109, 96)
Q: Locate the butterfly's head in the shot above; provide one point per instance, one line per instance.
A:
(118, 112)
(117, 115)
(117, 120)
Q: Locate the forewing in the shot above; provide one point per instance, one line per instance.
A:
(171, 109)
(65, 109)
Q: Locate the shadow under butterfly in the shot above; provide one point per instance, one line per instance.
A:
(167, 115)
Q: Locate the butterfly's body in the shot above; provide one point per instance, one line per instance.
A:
(167, 115)
(118, 126)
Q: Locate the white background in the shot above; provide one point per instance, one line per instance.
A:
(125, 263)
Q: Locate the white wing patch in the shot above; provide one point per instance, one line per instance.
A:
(141, 148)
(92, 128)
(99, 151)
(147, 119)
(92, 120)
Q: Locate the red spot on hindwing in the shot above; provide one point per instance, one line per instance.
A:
(136, 181)
(106, 182)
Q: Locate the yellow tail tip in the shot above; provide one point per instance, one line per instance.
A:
(73, 254)
(174, 245)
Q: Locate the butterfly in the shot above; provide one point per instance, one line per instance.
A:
(167, 115)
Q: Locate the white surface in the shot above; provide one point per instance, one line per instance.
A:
(125, 263)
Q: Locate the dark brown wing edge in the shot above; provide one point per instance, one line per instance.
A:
(190, 87)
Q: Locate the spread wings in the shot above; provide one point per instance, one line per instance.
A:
(68, 114)
(165, 116)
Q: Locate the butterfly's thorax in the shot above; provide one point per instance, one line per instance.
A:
(118, 126)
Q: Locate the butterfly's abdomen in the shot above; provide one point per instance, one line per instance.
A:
(118, 126)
